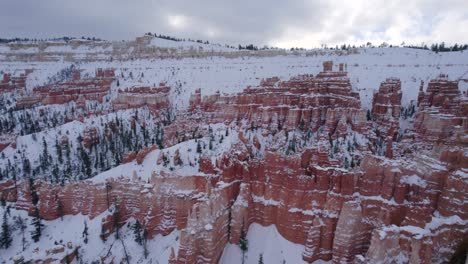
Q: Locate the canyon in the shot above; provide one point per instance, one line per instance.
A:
(381, 179)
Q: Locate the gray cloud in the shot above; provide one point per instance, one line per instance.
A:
(284, 23)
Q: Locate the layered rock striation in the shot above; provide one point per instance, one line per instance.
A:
(155, 98)
(77, 89)
(303, 101)
(305, 163)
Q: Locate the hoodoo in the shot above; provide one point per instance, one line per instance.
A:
(150, 151)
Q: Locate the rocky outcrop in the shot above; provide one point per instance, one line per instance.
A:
(441, 92)
(6, 140)
(442, 116)
(303, 101)
(155, 98)
(386, 105)
(133, 198)
(386, 108)
(76, 89)
(11, 83)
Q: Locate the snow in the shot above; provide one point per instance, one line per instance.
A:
(222, 184)
(305, 212)
(431, 228)
(262, 200)
(433, 163)
(437, 221)
(34, 147)
(375, 198)
(4, 49)
(148, 186)
(70, 230)
(79, 49)
(462, 173)
(413, 180)
(188, 45)
(29, 50)
(417, 232)
(268, 241)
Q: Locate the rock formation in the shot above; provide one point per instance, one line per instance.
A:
(10, 83)
(155, 98)
(304, 162)
(77, 89)
(302, 101)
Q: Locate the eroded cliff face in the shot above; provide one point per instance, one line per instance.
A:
(75, 89)
(309, 162)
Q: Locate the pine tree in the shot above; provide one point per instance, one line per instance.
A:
(26, 165)
(346, 163)
(59, 208)
(369, 116)
(32, 189)
(243, 242)
(78, 256)
(86, 162)
(229, 222)
(260, 259)
(115, 221)
(145, 245)
(108, 189)
(55, 173)
(293, 145)
(85, 233)
(5, 235)
(21, 225)
(58, 148)
(302, 124)
(199, 148)
(45, 154)
(137, 232)
(38, 226)
(67, 150)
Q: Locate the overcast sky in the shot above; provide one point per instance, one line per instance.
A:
(282, 23)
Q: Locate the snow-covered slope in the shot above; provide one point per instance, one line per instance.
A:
(57, 233)
(366, 69)
(267, 241)
(189, 45)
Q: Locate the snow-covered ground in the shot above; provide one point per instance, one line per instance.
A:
(58, 233)
(265, 240)
(189, 45)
